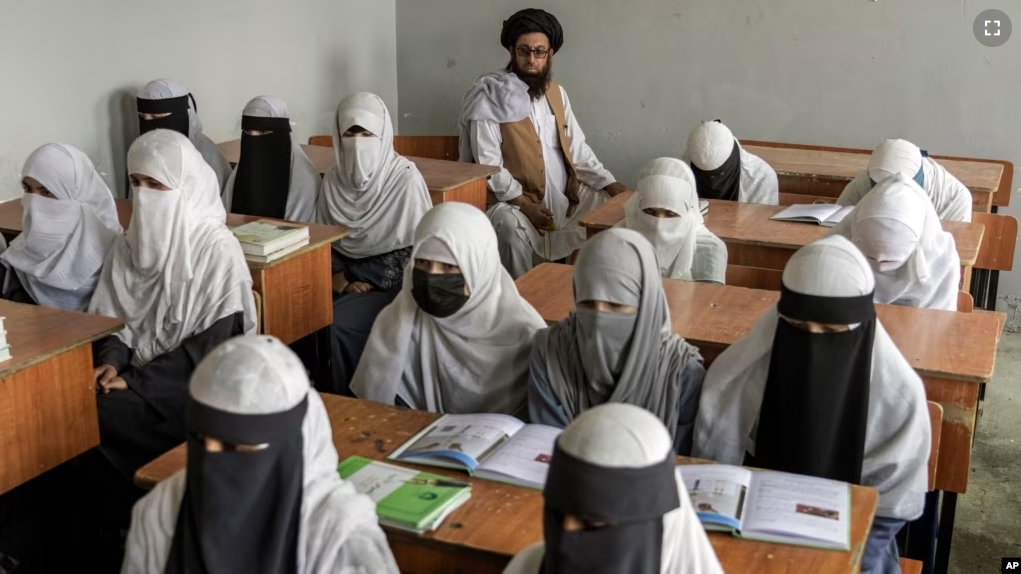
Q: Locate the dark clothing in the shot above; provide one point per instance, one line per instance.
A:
(385, 272)
(532, 20)
(263, 179)
(12, 288)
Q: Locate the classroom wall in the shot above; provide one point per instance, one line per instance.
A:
(71, 67)
(642, 73)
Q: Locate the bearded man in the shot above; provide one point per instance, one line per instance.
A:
(521, 120)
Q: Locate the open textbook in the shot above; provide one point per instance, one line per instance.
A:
(825, 214)
(493, 446)
(771, 506)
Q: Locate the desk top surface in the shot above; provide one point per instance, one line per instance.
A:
(977, 176)
(36, 333)
(943, 344)
(750, 224)
(439, 175)
(505, 519)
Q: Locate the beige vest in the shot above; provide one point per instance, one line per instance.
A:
(523, 152)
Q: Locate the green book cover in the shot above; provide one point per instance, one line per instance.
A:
(411, 506)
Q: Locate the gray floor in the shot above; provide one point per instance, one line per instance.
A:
(988, 524)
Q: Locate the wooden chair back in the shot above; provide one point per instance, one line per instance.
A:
(998, 241)
(936, 422)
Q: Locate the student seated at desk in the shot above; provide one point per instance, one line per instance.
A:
(70, 222)
(616, 347)
(166, 104)
(819, 388)
(615, 502)
(380, 197)
(915, 262)
(665, 211)
(261, 492)
(456, 339)
(724, 170)
(273, 178)
(179, 281)
(949, 196)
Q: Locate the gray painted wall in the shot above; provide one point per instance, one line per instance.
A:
(71, 67)
(642, 73)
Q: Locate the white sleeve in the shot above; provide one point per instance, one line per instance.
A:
(759, 183)
(956, 201)
(365, 551)
(486, 142)
(855, 190)
(590, 170)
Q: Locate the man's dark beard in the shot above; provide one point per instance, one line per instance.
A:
(537, 84)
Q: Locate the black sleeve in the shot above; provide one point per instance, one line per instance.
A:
(163, 382)
(337, 262)
(12, 288)
(385, 272)
(112, 351)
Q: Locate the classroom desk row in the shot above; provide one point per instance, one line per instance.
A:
(446, 180)
(500, 520)
(758, 247)
(952, 352)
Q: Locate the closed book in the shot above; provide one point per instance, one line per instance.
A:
(265, 236)
(276, 254)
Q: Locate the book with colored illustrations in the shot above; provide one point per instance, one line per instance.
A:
(405, 498)
(493, 446)
(825, 214)
(265, 237)
(771, 506)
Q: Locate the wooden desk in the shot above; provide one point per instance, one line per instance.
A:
(446, 180)
(500, 520)
(755, 241)
(296, 290)
(47, 391)
(952, 352)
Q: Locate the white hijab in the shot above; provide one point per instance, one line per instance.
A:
(60, 253)
(897, 437)
(377, 194)
(474, 361)
(178, 269)
(303, 191)
(619, 435)
(915, 262)
(339, 532)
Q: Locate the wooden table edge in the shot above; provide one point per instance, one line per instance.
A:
(492, 170)
(41, 358)
(305, 249)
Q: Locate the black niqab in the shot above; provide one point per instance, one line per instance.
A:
(263, 180)
(177, 121)
(723, 182)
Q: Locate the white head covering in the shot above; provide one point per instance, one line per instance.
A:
(915, 262)
(303, 192)
(473, 361)
(178, 269)
(377, 194)
(338, 530)
(60, 254)
(710, 144)
(618, 435)
(894, 156)
(499, 97)
(897, 437)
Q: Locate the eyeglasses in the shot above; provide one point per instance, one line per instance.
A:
(539, 53)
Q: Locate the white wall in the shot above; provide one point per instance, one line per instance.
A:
(642, 73)
(71, 67)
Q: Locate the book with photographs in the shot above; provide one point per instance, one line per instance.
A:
(265, 237)
(825, 214)
(405, 498)
(771, 506)
(493, 446)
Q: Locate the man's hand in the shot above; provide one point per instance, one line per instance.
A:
(540, 217)
(339, 283)
(115, 384)
(616, 188)
(358, 287)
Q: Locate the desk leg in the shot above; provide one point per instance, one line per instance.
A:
(922, 534)
(946, 532)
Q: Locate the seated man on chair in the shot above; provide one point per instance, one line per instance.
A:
(520, 120)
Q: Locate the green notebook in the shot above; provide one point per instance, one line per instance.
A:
(400, 503)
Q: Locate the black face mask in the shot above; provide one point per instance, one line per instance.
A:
(723, 182)
(440, 295)
(176, 121)
(263, 179)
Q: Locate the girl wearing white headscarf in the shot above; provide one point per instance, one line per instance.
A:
(724, 170)
(457, 338)
(166, 104)
(276, 503)
(70, 222)
(179, 281)
(948, 195)
(915, 262)
(819, 388)
(665, 210)
(617, 346)
(274, 177)
(614, 466)
(380, 197)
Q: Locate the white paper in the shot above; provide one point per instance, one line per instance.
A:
(525, 457)
(808, 211)
(378, 480)
(471, 435)
(807, 507)
(717, 491)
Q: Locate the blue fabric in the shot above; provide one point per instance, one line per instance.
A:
(881, 554)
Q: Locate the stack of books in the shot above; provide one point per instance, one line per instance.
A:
(266, 240)
(5, 349)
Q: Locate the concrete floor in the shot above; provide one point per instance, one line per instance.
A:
(988, 524)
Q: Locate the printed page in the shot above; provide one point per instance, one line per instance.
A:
(809, 212)
(837, 217)
(466, 438)
(525, 457)
(717, 492)
(802, 506)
